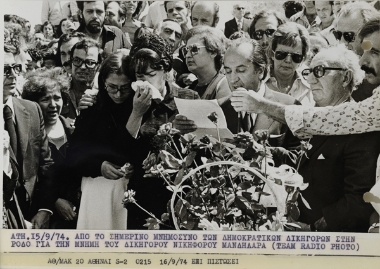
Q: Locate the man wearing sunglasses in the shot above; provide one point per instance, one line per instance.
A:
(238, 23)
(263, 26)
(349, 21)
(289, 48)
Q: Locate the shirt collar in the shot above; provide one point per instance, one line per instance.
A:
(9, 103)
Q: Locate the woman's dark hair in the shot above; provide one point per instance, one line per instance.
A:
(116, 63)
(292, 7)
(140, 31)
(59, 29)
(151, 50)
(214, 40)
(40, 81)
(46, 23)
(288, 34)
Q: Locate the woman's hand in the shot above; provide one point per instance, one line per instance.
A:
(86, 101)
(142, 101)
(127, 169)
(111, 171)
(65, 209)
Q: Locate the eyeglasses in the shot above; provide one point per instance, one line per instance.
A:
(319, 71)
(113, 89)
(348, 36)
(240, 8)
(78, 62)
(194, 49)
(8, 69)
(259, 34)
(281, 55)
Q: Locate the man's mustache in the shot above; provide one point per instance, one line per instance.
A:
(368, 70)
(67, 63)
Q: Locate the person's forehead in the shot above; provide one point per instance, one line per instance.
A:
(172, 26)
(238, 55)
(9, 58)
(93, 5)
(374, 38)
(321, 58)
(320, 4)
(68, 45)
(172, 4)
(203, 9)
(196, 40)
(350, 23)
(92, 53)
(266, 21)
(288, 48)
(113, 6)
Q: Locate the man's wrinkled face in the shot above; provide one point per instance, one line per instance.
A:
(171, 31)
(93, 15)
(370, 60)
(203, 14)
(240, 71)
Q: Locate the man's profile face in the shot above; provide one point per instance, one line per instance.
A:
(203, 13)
(351, 23)
(171, 31)
(113, 16)
(93, 15)
(370, 60)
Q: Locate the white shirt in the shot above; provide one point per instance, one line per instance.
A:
(239, 23)
(261, 92)
(9, 103)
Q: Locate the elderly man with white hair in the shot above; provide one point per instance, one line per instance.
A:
(339, 169)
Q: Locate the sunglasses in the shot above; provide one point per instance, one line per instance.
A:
(8, 69)
(259, 34)
(78, 62)
(318, 71)
(281, 55)
(348, 36)
(113, 89)
(240, 8)
(194, 49)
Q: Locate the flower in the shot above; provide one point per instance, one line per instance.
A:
(213, 226)
(129, 197)
(213, 117)
(305, 146)
(167, 129)
(262, 135)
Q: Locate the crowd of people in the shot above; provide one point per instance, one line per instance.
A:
(77, 126)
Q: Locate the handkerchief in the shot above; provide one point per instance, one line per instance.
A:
(321, 157)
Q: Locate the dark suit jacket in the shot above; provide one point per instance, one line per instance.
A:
(264, 122)
(34, 162)
(339, 170)
(231, 26)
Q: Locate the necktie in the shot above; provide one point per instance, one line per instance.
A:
(247, 123)
(240, 25)
(10, 127)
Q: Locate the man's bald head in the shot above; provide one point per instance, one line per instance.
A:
(205, 13)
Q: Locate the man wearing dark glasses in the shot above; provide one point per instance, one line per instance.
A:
(349, 21)
(359, 117)
(85, 59)
(238, 23)
(263, 26)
